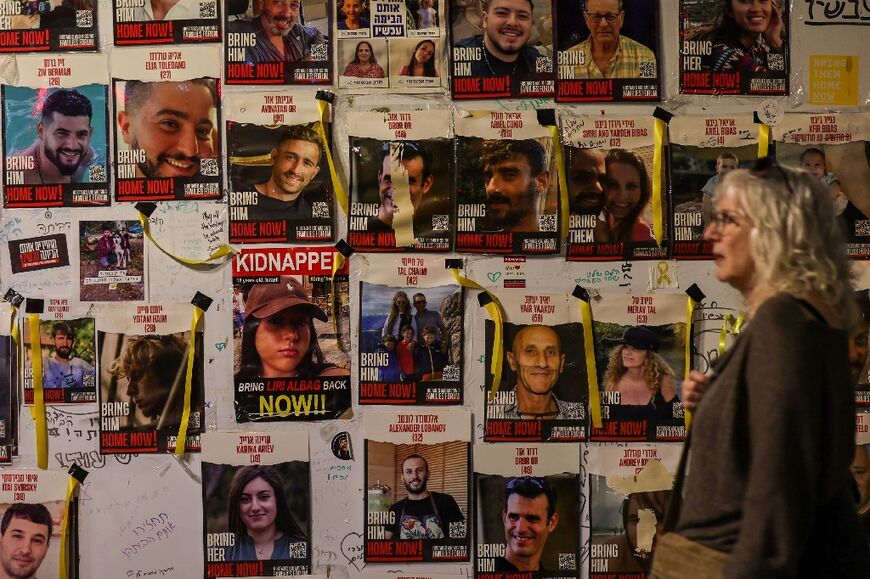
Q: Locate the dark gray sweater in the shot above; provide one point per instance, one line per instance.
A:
(768, 479)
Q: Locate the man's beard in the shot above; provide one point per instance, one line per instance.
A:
(151, 169)
(418, 491)
(64, 168)
(64, 353)
(269, 25)
(514, 214)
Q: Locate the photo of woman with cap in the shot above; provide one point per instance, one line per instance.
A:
(278, 338)
(643, 379)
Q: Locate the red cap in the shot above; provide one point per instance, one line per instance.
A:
(266, 299)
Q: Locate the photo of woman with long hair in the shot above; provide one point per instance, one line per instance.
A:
(400, 315)
(627, 191)
(364, 63)
(422, 61)
(643, 379)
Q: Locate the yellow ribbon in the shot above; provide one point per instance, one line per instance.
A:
(181, 439)
(690, 309)
(63, 563)
(340, 195)
(591, 368)
(727, 322)
(495, 312)
(664, 273)
(338, 260)
(763, 140)
(738, 325)
(222, 251)
(563, 180)
(658, 155)
(37, 410)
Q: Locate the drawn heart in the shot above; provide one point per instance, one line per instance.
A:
(352, 549)
(494, 276)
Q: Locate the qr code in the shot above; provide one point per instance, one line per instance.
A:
(208, 9)
(97, 173)
(547, 222)
(208, 167)
(647, 70)
(440, 222)
(298, 550)
(544, 64)
(775, 62)
(567, 561)
(84, 18)
(862, 227)
(194, 420)
(457, 530)
(320, 51)
(320, 210)
(450, 373)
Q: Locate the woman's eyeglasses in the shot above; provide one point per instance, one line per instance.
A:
(722, 219)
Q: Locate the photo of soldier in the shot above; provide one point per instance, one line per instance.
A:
(509, 55)
(734, 47)
(112, 261)
(66, 148)
(278, 42)
(280, 185)
(166, 21)
(50, 26)
(379, 170)
(607, 50)
(68, 361)
(167, 140)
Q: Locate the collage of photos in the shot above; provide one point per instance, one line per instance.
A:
(69, 372)
(289, 363)
(397, 44)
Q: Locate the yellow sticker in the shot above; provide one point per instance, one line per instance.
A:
(833, 79)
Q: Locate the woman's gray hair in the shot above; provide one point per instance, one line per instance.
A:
(796, 241)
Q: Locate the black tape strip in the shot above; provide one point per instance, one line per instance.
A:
(756, 119)
(13, 297)
(663, 115)
(483, 299)
(146, 208)
(695, 293)
(453, 264)
(547, 117)
(202, 301)
(581, 294)
(344, 248)
(325, 95)
(34, 306)
(78, 473)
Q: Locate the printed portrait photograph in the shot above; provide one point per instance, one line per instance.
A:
(68, 360)
(112, 261)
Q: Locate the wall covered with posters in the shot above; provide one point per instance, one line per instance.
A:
(235, 436)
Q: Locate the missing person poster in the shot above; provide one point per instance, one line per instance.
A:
(68, 347)
(410, 332)
(527, 498)
(391, 44)
(737, 48)
(143, 352)
(703, 150)
(859, 364)
(417, 486)
(401, 164)
(48, 26)
(640, 354)
(290, 364)
(111, 261)
(280, 185)
(542, 396)
(38, 253)
(607, 51)
(609, 166)
(55, 137)
(832, 147)
(256, 495)
(629, 489)
(35, 517)
(137, 22)
(9, 377)
(507, 183)
(286, 42)
(167, 123)
(501, 49)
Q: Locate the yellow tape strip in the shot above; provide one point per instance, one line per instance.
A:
(495, 312)
(63, 563)
(563, 181)
(181, 440)
(222, 251)
(727, 325)
(658, 156)
(338, 260)
(37, 410)
(738, 325)
(591, 367)
(16, 337)
(763, 140)
(690, 309)
(340, 195)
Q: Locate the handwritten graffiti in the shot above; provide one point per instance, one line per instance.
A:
(838, 12)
